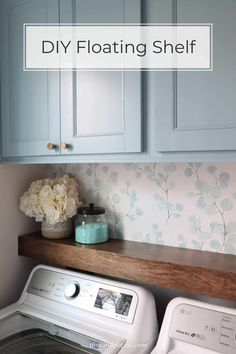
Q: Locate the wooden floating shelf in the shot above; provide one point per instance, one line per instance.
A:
(198, 272)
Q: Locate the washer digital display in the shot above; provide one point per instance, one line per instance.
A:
(114, 302)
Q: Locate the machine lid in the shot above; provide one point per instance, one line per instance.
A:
(24, 334)
(33, 341)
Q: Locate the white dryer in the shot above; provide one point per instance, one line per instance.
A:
(65, 312)
(194, 327)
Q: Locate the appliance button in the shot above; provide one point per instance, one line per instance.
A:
(72, 290)
(212, 329)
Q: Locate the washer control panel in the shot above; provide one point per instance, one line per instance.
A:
(94, 295)
(205, 328)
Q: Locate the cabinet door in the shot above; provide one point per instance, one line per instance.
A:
(30, 100)
(100, 111)
(197, 110)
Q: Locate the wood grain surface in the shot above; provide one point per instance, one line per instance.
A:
(198, 272)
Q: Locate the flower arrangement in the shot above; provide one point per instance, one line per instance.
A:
(53, 200)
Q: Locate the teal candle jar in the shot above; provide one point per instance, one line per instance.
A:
(91, 225)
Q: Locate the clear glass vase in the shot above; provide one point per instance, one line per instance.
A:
(59, 230)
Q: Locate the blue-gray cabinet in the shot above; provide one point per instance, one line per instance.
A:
(100, 111)
(96, 116)
(59, 113)
(197, 110)
(30, 109)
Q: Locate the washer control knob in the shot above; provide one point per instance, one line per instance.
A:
(72, 290)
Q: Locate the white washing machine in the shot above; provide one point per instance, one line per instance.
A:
(194, 327)
(65, 312)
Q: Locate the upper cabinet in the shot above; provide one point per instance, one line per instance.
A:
(113, 115)
(30, 109)
(100, 110)
(197, 110)
(53, 113)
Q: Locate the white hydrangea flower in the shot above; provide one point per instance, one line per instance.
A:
(54, 200)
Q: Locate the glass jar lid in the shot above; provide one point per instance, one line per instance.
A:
(91, 210)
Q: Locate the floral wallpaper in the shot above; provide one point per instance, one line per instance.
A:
(184, 205)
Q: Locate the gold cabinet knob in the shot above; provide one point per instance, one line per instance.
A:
(65, 146)
(51, 146)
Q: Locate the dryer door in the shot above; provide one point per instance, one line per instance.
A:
(23, 334)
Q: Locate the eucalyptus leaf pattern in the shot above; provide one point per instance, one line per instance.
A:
(160, 176)
(183, 205)
(210, 197)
